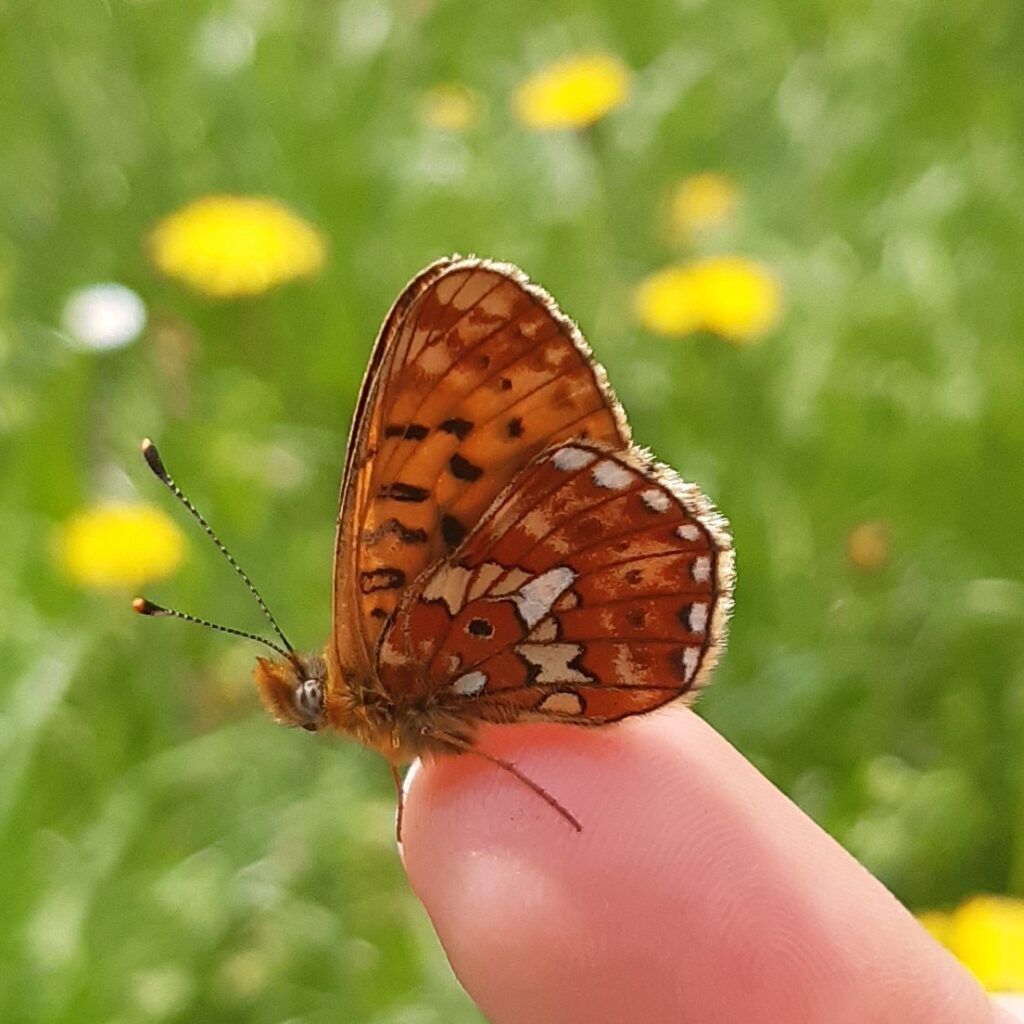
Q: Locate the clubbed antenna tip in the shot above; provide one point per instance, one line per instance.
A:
(146, 607)
(153, 460)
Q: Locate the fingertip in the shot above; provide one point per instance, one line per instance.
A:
(695, 887)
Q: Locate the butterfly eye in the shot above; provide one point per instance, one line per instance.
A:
(309, 701)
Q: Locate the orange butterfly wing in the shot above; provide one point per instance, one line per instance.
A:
(475, 372)
(597, 586)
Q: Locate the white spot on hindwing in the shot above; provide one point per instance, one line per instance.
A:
(513, 581)
(485, 576)
(698, 617)
(552, 662)
(449, 584)
(655, 500)
(702, 569)
(688, 532)
(691, 656)
(469, 685)
(545, 631)
(569, 459)
(611, 475)
(535, 598)
(564, 702)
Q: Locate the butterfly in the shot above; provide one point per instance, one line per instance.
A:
(504, 552)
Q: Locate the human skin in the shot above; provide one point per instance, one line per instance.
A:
(697, 893)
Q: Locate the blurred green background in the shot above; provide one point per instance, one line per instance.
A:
(166, 853)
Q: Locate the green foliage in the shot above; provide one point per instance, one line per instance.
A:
(169, 855)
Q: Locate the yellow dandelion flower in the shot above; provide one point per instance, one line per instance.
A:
(987, 935)
(229, 246)
(741, 300)
(731, 296)
(119, 545)
(701, 203)
(451, 107)
(572, 93)
(667, 302)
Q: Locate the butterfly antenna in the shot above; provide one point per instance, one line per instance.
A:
(144, 607)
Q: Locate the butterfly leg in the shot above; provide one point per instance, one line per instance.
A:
(508, 766)
(396, 775)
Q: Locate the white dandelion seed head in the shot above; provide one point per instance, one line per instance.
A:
(103, 316)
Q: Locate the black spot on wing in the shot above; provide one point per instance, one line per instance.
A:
(463, 469)
(452, 531)
(403, 492)
(413, 431)
(515, 427)
(406, 534)
(381, 579)
(457, 428)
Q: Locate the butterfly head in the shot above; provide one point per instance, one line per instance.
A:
(293, 690)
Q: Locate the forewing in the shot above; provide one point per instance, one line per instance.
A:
(475, 371)
(597, 586)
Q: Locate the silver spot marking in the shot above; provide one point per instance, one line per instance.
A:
(535, 598)
(553, 662)
(485, 576)
(702, 569)
(656, 501)
(611, 476)
(698, 617)
(545, 631)
(449, 585)
(688, 532)
(513, 581)
(563, 703)
(569, 459)
(470, 684)
(690, 658)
